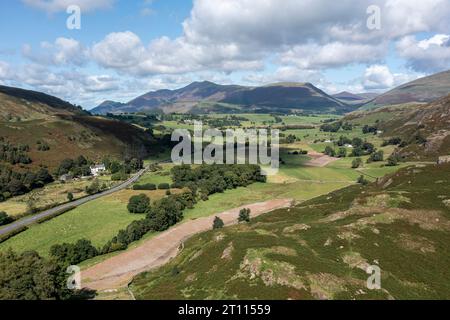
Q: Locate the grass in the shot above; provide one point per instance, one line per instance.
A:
(97, 221)
(318, 249)
(52, 194)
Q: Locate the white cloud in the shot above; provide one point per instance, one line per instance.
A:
(63, 51)
(428, 55)
(4, 70)
(119, 50)
(53, 6)
(314, 56)
(380, 77)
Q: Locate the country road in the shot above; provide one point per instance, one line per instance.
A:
(33, 219)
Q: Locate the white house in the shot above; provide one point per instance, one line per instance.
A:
(349, 146)
(97, 169)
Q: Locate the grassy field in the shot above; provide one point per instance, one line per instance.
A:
(97, 221)
(52, 194)
(321, 249)
(101, 219)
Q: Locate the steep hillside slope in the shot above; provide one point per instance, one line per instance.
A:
(206, 96)
(108, 106)
(423, 90)
(358, 99)
(425, 129)
(33, 119)
(321, 249)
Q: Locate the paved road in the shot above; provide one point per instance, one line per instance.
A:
(33, 219)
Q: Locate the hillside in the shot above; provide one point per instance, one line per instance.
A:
(358, 99)
(424, 128)
(423, 90)
(200, 97)
(108, 106)
(321, 249)
(33, 119)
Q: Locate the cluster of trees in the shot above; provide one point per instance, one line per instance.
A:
(14, 154)
(341, 153)
(27, 276)
(376, 156)
(362, 180)
(331, 127)
(42, 146)
(244, 216)
(138, 204)
(361, 148)
(160, 215)
(369, 129)
(152, 186)
(143, 120)
(14, 183)
(356, 163)
(72, 254)
(336, 126)
(75, 167)
(4, 218)
(393, 160)
(95, 187)
(291, 139)
(299, 152)
(121, 170)
(210, 179)
(224, 122)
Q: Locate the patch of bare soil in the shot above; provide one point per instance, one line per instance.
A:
(119, 270)
(319, 160)
(297, 227)
(325, 286)
(416, 243)
(227, 253)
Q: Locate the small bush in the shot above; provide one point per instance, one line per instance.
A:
(218, 223)
(4, 218)
(148, 186)
(138, 204)
(163, 186)
(244, 215)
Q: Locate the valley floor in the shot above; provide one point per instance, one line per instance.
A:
(116, 272)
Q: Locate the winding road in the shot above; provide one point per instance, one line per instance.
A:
(48, 213)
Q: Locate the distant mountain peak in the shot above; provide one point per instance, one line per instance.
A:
(207, 96)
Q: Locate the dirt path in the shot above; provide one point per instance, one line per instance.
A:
(118, 271)
(319, 160)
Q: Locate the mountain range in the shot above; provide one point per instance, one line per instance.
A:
(201, 97)
(208, 97)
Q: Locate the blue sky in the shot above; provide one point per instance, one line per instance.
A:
(126, 48)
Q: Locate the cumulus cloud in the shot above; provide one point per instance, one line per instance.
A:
(4, 70)
(234, 35)
(380, 77)
(53, 6)
(428, 55)
(300, 39)
(63, 51)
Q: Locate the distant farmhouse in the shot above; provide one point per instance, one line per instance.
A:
(444, 159)
(97, 170)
